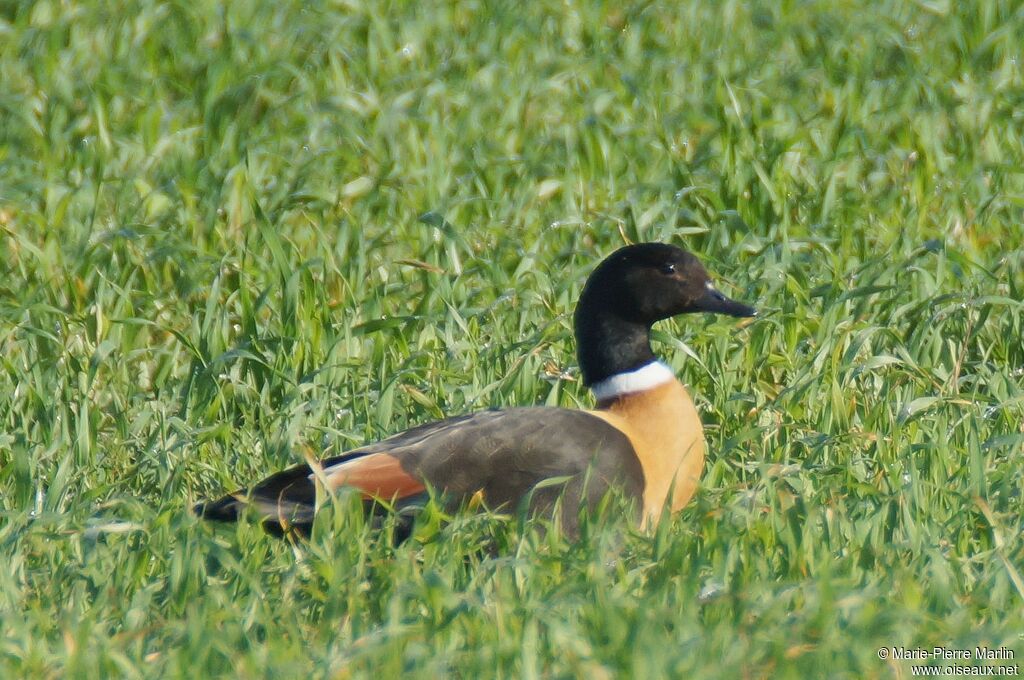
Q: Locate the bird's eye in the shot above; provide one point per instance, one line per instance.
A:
(668, 268)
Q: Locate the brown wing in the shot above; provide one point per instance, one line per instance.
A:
(502, 454)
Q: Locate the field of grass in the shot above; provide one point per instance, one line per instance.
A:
(234, 235)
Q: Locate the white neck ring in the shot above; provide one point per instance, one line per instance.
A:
(641, 379)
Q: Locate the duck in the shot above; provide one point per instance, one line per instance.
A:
(643, 438)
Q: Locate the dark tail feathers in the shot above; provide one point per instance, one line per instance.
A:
(284, 502)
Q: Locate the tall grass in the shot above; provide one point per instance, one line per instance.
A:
(236, 234)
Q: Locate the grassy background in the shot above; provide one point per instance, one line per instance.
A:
(234, 234)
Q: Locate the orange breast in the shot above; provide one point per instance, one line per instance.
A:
(665, 430)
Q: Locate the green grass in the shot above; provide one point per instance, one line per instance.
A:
(233, 235)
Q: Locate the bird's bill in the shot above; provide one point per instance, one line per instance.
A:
(713, 300)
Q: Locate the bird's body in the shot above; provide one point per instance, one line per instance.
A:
(644, 439)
